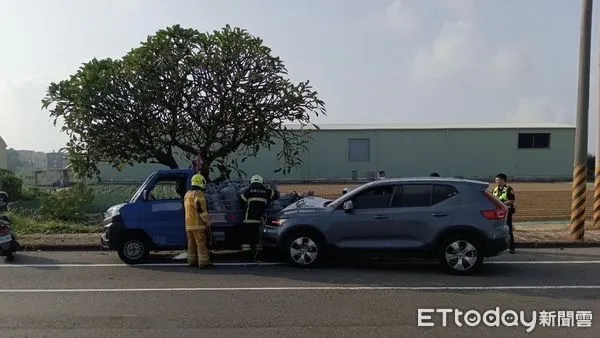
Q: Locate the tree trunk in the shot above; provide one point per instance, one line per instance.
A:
(168, 160)
(205, 171)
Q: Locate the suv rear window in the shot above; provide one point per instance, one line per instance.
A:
(442, 193)
(421, 195)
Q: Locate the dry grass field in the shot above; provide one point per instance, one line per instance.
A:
(535, 201)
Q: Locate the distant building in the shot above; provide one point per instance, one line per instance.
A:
(32, 159)
(52, 177)
(526, 151)
(56, 160)
(3, 155)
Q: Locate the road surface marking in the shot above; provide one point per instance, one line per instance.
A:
(114, 265)
(541, 262)
(316, 288)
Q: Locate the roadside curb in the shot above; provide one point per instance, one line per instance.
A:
(62, 247)
(550, 245)
(99, 248)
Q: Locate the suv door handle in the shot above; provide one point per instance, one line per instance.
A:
(381, 217)
(439, 214)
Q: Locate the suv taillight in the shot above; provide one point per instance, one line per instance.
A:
(495, 214)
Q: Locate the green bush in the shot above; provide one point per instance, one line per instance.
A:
(33, 193)
(67, 204)
(11, 184)
(25, 225)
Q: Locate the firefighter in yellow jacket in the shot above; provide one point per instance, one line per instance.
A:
(197, 224)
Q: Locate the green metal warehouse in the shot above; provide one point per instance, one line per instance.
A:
(525, 151)
(537, 151)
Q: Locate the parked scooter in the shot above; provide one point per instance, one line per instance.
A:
(8, 240)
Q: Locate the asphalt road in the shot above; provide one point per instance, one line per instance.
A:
(79, 294)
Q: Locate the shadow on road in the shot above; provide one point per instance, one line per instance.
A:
(370, 273)
(415, 274)
(22, 258)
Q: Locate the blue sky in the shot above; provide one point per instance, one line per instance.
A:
(372, 61)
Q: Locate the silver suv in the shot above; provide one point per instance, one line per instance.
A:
(453, 220)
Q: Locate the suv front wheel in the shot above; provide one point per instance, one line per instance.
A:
(303, 250)
(461, 254)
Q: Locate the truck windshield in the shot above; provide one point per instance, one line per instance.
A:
(141, 189)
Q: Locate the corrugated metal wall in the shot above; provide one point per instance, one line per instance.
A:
(455, 152)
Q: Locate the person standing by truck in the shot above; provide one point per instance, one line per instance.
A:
(256, 199)
(197, 224)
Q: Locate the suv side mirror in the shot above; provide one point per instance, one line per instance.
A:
(348, 206)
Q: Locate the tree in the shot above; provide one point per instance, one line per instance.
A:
(215, 93)
(11, 184)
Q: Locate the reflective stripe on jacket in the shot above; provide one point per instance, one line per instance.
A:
(501, 193)
(257, 197)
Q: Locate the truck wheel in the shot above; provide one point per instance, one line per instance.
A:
(304, 249)
(461, 254)
(133, 249)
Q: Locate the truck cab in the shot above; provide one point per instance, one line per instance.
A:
(154, 219)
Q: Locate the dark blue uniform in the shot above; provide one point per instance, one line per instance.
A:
(256, 199)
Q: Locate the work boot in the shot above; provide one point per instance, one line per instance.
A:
(206, 266)
(193, 264)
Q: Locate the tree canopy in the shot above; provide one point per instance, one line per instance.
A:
(215, 93)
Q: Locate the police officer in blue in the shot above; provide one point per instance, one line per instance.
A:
(506, 195)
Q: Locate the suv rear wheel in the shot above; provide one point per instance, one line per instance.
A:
(304, 249)
(133, 249)
(461, 254)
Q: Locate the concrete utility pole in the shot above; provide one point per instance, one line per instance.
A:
(577, 227)
(596, 224)
(597, 166)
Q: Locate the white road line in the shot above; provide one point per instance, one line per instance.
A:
(316, 288)
(115, 265)
(542, 262)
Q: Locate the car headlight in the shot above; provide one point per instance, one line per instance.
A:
(277, 222)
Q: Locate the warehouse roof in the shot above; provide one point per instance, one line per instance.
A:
(2, 143)
(423, 126)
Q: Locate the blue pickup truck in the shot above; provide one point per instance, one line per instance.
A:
(153, 219)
